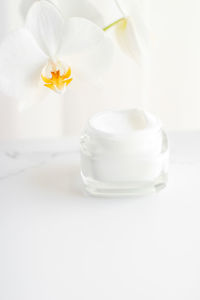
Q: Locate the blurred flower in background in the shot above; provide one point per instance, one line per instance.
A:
(131, 31)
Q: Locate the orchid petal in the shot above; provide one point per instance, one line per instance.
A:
(45, 22)
(70, 8)
(25, 6)
(92, 65)
(82, 9)
(21, 61)
(80, 35)
(86, 48)
(128, 40)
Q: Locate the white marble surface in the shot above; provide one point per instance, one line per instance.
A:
(57, 243)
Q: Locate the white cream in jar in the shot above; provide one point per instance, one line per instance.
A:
(124, 153)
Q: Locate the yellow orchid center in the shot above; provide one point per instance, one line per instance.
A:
(56, 77)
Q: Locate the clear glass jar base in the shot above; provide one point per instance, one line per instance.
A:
(124, 189)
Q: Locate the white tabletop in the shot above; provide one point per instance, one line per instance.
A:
(59, 244)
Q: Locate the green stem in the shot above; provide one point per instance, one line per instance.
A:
(113, 24)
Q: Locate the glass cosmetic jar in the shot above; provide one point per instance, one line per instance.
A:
(124, 153)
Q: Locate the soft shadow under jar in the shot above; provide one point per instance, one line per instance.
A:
(124, 153)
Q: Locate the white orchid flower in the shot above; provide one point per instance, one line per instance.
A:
(49, 53)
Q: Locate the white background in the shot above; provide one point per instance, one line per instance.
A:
(171, 77)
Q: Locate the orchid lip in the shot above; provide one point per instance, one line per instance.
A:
(56, 76)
